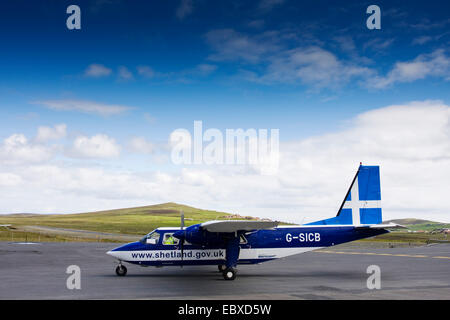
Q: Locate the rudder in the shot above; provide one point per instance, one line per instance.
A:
(362, 203)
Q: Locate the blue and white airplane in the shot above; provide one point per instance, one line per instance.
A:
(231, 242)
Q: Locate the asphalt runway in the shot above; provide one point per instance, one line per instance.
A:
(38, 271)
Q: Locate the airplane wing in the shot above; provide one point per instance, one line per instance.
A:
(382, 226)
(237, 225)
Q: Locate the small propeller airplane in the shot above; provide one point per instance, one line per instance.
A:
(227, 243)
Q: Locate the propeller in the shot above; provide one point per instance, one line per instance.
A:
(182, 238)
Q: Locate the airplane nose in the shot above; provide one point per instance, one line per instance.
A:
(112, 253)
(116, 251)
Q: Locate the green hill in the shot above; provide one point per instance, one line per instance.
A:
(138, 220)
(420, 224)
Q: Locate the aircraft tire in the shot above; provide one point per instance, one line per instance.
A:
(121, 270)
(229, 274)
(221, 267)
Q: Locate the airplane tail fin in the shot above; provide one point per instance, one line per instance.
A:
(362, 203)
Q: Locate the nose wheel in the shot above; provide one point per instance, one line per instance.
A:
(229, 274)
(121, 270)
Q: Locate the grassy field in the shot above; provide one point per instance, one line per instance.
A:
(406, 237)
(139, 220)
(21, 236)
(132, 221)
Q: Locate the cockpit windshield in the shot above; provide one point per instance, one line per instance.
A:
(152, 235)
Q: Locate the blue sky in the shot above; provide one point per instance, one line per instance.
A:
(306, 68)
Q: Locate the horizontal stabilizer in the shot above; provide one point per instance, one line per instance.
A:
(237, 225)
(383, 226)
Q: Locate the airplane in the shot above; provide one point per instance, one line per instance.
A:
(228, 243)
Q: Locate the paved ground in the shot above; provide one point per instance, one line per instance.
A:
(37, 271)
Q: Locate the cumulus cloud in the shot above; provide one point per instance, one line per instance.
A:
(411, 143)
(17, 149)
(98, 146)
(97, 71)
(84, 106)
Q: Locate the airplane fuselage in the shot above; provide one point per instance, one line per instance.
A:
(255, 247)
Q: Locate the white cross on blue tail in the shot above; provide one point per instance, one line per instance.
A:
(362, 204)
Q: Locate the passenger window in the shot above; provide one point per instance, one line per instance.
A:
(169, 239)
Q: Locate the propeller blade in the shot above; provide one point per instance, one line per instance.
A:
(182, 249)
(182, 240)
(182, 219)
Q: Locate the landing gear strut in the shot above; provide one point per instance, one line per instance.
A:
(221, 267)
(229, 274)
(121, 270)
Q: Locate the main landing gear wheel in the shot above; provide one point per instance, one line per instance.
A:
(221, 267)
(229, 274)
(121, 270)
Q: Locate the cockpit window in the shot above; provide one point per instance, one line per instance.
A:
(152, 235)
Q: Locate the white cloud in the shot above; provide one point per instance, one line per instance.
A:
(84, 106)
(310, 65)
(97, 71)
(48, 133)
(422, 40)
(378, 44)
(125, 74)
(141, 145)
(436, 64)
(285, 57)
(146, 71)
(16, 149)
(410, 142)
(98, 146)
(204, 69)
(231, 45)
(9, 179)
(196, 177)
(313, 66)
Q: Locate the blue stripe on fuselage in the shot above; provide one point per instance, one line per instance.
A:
(307, 236)
(282, 237)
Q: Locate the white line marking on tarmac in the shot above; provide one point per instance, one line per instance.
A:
(384, 254)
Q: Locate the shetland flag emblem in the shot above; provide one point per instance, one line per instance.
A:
(362, 204)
